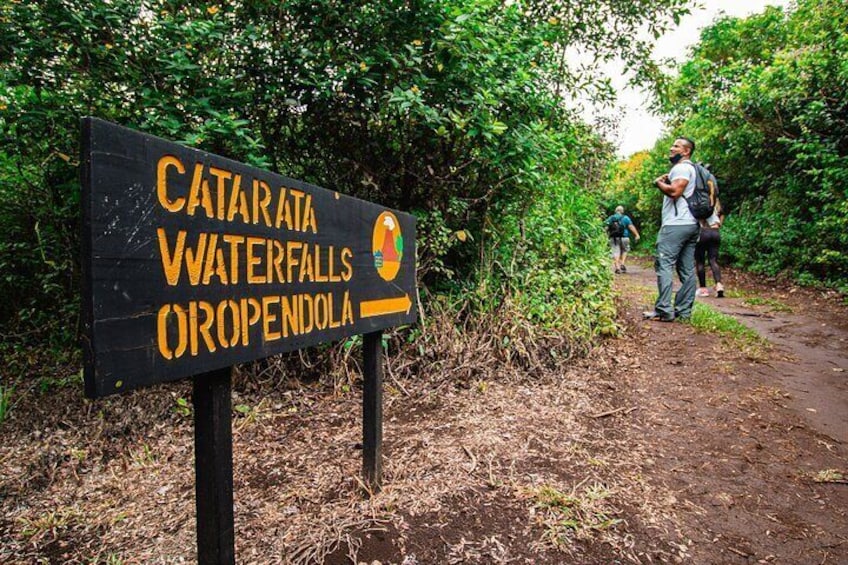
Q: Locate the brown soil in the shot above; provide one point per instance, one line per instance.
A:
(663, 446)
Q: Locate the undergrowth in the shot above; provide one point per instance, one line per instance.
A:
(575, 515)
(455, 343)
(706, 319)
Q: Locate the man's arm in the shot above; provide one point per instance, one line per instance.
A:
(673, 189)
(632, 227)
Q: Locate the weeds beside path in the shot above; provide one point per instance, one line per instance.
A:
(666, 445)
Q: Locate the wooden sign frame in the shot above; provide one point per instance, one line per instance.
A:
(193, 262)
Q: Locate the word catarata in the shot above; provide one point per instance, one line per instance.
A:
(222, 259)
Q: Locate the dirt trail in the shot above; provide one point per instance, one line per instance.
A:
(747, 446)
(811, 339)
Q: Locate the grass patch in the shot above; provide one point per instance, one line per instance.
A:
(708, 320)
(569, 516)
(771, 303)
(5, 401)
(50, 522)
(830, 476)
(736, 293)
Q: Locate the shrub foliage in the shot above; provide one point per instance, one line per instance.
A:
(453, 110)
(764, 98)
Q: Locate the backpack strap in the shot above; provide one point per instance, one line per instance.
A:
(696, 181)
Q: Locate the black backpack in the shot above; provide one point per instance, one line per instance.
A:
(615, 228)
(703, 199)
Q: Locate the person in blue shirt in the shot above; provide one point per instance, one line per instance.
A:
(619, 226)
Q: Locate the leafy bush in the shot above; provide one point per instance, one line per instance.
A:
(764, 99)
(452, 110)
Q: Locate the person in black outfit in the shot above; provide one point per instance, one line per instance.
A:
(707, 248)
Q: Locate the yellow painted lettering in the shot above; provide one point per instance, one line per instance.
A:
(238, 202)
(248, 319)
(221, 266)
(194, 260)
(291, 260)
(162, 183)
(198, 194)
(171, 263)
(221, 320)
(307, 314)
(279, 255)
(192, 318)
(298, 196)
(269, 317)
(209, 310)
(209, 263)
(291, 317)
(307, 269)
(347, 309)
(166, 313)
(309, 220)
(283, 213)
(322, 315)
(260, 204)
(334, 323)
(331, 267)
(253, 260)
(222, 175)
(318, 276)
(234, 241)
(347, 273)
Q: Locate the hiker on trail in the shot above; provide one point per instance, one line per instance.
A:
(677, 237)
(619, 226)
(708, 248)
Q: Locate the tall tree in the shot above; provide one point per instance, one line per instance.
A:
(765, 98)
(452, 109)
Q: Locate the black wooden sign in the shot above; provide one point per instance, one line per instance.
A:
(194, 262)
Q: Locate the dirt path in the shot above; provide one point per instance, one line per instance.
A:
(810, 335)
(748, 445)
(663, 446)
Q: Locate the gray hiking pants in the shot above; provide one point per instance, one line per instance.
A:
(676, 250)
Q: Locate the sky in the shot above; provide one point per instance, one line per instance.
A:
(639, 129)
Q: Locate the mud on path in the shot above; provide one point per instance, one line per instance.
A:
(748, 445)
(663, 446)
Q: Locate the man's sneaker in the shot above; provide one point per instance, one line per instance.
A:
(656, 316)
(720, 290)
(703, 291)
(623, 269)
(617, 271)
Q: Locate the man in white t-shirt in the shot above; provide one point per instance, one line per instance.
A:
(677, 238)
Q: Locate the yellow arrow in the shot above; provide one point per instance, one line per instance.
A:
(370, 308)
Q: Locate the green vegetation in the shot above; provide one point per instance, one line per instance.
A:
(568, 516)
(764, 98)
(60, 520)
(183, 407)
(830, 476)
(772, 303)
(452, 110)
(144, 456)
(707, 319)
(6, 393)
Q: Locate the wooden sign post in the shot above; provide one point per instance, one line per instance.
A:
(193, 263)
(372, 409)
(213, 467)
